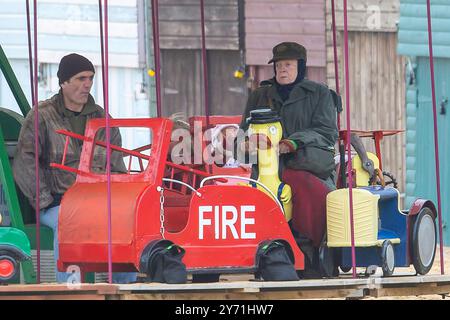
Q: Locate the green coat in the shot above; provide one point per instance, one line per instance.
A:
(308, 117)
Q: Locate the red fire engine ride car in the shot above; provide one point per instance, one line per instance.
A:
(220, 226)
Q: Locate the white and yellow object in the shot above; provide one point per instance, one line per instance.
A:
(365, 217)
(268, 164)
(362, 176)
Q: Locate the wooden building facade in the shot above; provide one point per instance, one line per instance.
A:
(269, 22)
(240, 34)
(182, 69)
(377, 86)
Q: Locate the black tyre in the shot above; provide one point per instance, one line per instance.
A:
(424, 239)
(162, 261)
(327, 261)
(338, 255)
(345, 269)
(205, 277)
(387, 258)
(8, 268)
(274, 261)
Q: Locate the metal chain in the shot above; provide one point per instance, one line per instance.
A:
(161, 211)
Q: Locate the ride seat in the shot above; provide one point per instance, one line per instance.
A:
(176, 210)
(10, 124)
(384, 193)
(389, 199)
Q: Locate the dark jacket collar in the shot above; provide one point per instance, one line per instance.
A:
(299, 92)
(89, 107)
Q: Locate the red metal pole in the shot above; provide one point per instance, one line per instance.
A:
(33, 102)
(377, 137)
(341, 144)
(36, 145)
(30, 53)
(157, 55)
(436, 141)
(335, 55)
(108, 147)
(102, 45)
(105, 67)
(349, 153)
(205, 62)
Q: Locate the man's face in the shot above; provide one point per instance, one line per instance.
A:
(76, 90)
(286, 71)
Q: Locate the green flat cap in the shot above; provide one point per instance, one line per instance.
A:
(288, 50)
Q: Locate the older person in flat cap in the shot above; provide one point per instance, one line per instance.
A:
(308, 117)
(69, 109)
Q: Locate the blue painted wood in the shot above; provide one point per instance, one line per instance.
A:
(411, 121)
(74, 43)
(425, 159)
(420, 159)
(13, 36)
(62, 11)
(125, 98)
(123, 84)
(412, 35)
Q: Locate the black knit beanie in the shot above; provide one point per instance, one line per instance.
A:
(71, 65)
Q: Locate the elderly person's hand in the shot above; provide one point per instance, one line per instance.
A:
(287, 146)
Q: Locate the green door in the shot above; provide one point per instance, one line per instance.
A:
(425, 157)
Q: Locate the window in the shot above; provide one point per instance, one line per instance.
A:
(130, 150)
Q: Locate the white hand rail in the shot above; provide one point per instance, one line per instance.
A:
(184, 184)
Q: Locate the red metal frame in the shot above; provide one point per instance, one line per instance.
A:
(136, 209)
(376, 135)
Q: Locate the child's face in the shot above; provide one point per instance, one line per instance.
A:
(226, 138)
(230, 132)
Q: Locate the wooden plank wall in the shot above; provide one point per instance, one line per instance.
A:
(362, 15)
(183, 86)
(180, 26)
(269, 22)
(377, 85)
(360, 18)
(182, 74)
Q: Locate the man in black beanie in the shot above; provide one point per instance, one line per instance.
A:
(308, 117)
(75, 74)
(69, 110)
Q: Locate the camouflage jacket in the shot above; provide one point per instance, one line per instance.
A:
(52, 117)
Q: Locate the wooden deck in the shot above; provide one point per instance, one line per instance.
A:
(342, 288)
